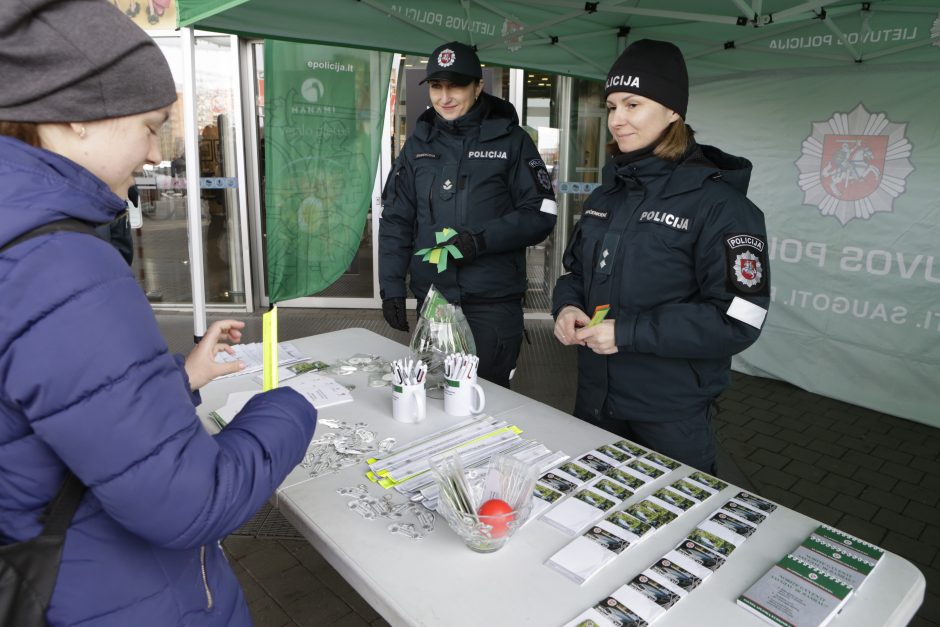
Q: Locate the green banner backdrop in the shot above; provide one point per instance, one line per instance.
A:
(847, 178)
(324, 109)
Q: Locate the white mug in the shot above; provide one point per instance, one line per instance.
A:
(459, 397)
(409, 402)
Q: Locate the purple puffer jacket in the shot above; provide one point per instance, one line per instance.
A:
(86, 382)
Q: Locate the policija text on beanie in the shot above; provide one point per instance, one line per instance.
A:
(652, 69)
(77, 61)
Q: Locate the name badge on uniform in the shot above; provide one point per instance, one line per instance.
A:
(605, 259)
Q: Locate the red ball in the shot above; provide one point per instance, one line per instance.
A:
(496, 513)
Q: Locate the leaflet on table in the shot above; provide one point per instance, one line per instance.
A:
(636, 602)
(321, 391)
(849, 543)
(795, 593)
(588, 553)
(830, 559)
(699, 554)
(585, 506)
(740, 531)
(252, 356)
(712, 483)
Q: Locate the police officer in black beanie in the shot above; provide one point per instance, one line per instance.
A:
(469, 167)
(672, 244)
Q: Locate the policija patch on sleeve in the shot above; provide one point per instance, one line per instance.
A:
(747, 264)
(543, 181)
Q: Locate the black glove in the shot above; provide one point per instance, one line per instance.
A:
(395, 313)
(469, 246)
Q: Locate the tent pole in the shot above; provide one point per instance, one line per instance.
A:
(193, 191)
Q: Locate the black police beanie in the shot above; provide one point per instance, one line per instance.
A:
(652, 69)
(454, 62)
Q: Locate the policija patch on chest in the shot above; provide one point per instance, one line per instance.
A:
(747, 264)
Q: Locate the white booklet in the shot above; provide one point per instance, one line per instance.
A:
(794, 593)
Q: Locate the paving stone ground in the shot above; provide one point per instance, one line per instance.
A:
(867, 473)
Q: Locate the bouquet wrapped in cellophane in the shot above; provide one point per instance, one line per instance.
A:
(442, 329)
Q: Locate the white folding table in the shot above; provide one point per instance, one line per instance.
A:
(438, 582)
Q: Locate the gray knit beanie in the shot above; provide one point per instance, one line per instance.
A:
(77, 61)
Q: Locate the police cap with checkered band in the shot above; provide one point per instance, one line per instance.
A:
(454, 62)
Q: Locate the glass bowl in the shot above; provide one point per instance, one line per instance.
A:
(489, 534)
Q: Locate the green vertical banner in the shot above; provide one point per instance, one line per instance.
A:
(324, 109)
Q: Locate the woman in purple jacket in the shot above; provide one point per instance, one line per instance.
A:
(86, 382)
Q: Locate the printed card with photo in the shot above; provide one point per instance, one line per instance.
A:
(743, 512)
(546, 494)
(595, 462)
(631, 479)
(654, 591)
(629, 447)
(732, 524)
(630, 527)
(694, 491)
(652, 514)
(544, 497)
(638, 602)
(558, 482)
(578, 473)
(672, 501)
(708, 481)
(614, 489)
(755, 502)
(644, 468)
(662, 461)
(674, 576)
(705, 557)
(618, 613)
(714, 538)
(611, 451)
(688, 564)
(572, 515)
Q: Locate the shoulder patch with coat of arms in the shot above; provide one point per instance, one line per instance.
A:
(747, 264)
(543, 180)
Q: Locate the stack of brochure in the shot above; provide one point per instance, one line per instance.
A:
(671, 578)
(611, 528)
(808, 587)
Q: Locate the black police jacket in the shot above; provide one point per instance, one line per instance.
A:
(480, 173)
(680, 255)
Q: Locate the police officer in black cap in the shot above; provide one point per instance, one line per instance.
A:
(672, 244)
(469, 167)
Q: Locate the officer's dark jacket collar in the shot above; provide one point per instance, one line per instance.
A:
(699, 164)
(494, 117)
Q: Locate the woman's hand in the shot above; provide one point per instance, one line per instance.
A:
(569, 320)
(600, 338)
(201, 366)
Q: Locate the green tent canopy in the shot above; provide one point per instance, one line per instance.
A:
(582, 39)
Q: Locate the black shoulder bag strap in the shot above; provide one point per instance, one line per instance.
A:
(66, 224)
(28, 570)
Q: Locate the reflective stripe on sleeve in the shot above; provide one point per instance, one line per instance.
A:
(747, 312)
(549, 206)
